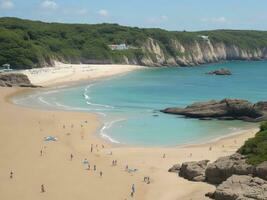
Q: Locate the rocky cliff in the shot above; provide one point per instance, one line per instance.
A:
(31, 44)
(196, 53)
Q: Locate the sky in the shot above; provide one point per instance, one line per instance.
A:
(190, 15)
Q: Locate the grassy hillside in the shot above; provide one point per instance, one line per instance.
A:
(28, 44)
(256, 148)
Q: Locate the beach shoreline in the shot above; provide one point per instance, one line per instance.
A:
(59, 174)
(68, 84)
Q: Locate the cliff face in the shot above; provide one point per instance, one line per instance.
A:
(198, 52)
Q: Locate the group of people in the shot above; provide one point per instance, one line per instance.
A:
(114, 162)
(85, 162)
(96, 146)
(147, 179)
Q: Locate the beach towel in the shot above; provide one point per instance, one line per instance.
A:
(50, 139)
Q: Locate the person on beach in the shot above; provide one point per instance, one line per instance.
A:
(148, 180)
(101, 173)
(91, 148)
(42, 188)
(94, 167)
(41, 152)
(210, 148)
(126, 168)
(71, 157)
(164, 155)
(11, 175)
(133, 188)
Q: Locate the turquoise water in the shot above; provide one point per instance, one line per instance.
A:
(129, 104)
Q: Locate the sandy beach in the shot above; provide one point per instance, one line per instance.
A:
(65, 73)
(35, 162)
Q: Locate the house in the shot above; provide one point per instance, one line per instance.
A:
(204, 37)
(5, 68)
(118, 47)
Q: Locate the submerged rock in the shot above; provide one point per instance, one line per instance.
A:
(15, 80)
(226, 109)
(241, 188)
(220, 72)
(194, 171)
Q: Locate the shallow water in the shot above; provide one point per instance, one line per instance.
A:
(129, 104)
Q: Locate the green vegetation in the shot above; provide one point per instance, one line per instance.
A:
(256, 148)
(29, 44)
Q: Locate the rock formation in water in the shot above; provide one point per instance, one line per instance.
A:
(227, 109)
(221, 72)
(15, 80)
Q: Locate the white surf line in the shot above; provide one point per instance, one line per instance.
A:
(108, 125)
(87, 98)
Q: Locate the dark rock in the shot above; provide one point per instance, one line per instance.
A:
(224, 167)
(261, 170)
(15, 80)
(210, 195)
(175, 168)
(226, 109)
(241, 188)
(194, 171)
(220, 72)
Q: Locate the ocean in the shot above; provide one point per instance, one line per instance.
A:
(129, 104)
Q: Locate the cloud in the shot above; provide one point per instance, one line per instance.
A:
(164, 17)
(82, 11)
(75, 11)
(49, 5)
(103, 13)
(219, 20)
(6, 4)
